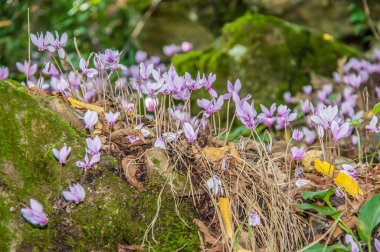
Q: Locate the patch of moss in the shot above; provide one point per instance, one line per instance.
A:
(267, 54)
(112, 213)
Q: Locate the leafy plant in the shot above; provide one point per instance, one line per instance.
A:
(368, 219)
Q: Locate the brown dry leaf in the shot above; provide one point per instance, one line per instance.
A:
(208, 237)
(157, 161)
(82, 105)
(217, 248)
(214, 154)
(233, 150)
(130, 169)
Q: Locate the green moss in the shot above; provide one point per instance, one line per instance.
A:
(112, 213)
(269, 56)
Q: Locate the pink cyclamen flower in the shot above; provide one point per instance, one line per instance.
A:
(339, 132)
(232, 88)
(186, 46)
(215, 185)
(372, 127)
(76, 193)
(93, 145)
(267, 116)
(297, 135)
(326, 116)
(247, 114)
(348, 239)
(298, 153)
(26, 68)
(212, 106)
(310, 136)
(62, 154)
(50, 69)
(35, 213)
(88, 163)
(377, 245)
(151, 103)
(190, 133)
(254, 219)
(160, 143)
(208, 83)
(307, 89)
(377, 89)
(40, 41)
(57, 44)
(133, 138)
(4, 72)
(170, 50)
(89, 72)
(112, 117)
(140, 56)
(350, 170)
(90, 119)
(288, 97)
(339, 193)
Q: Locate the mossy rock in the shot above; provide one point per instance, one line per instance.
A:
(268, 54)
(112, 212)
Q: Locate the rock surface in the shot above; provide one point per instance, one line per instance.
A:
(113, 213)
(269, 56)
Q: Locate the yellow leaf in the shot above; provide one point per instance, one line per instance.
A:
(348, 183)
(324, 167)
(79, 104)
(214, 154)
(310, 156)
(226, 216)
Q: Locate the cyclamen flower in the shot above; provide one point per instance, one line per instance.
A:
(4, 72)
(208, 83)
(140, 56)
(170, 50)
(93, 145)
(232, 89)
(151, 103)
(326, 116)
(247, 113)
(310, 136)
(288, 97)
(302, 182)
(59, 85)
(26, 68)
(254, 219)
(133, 138)
(186, 46)
(215, 185)
(90, 119)
(267, 116)
(89, 72)
(88, 163)
(160, 143)
(348, 239)
(145, 71)
(76, 193)
(112, 117)
(190, 134)
(40, 41)
(377, 245)
(305, 106)
(50, 69)
(339, 132)
(298, 153)
(110, 59)
(339, 193)
(372, 127)
(297, 135)
(212, 106)
(307, 89)
(377, 89)
(57, 44)
(35, 213)
(349, 170)
(62, 154)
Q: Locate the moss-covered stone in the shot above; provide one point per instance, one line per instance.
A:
(112, 213)
(269, 55)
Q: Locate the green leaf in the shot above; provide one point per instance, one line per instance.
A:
(355, 122)
(321, 210)
(369, 218)
(323, 195)
(320, 247)
(376, 108)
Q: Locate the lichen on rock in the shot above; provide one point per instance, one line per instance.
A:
(113, 213)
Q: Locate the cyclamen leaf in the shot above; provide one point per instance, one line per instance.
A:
(348, 183)
(323, 195)
(369, 218)
(376, 108)
(334, 248)
(321, 210)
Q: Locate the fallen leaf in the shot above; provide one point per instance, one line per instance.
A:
(208, 237)
(233, 150)
(82, 105)
(130, 168)
(348, 183)
(324, 167)
(310, 156)
(128, 248)
(214, 154)
(224, 207)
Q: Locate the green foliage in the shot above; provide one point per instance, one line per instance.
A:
(321, 210)
(333, 248)
(369, 218)
(357, 18)
(376, 108)
(323, 195)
